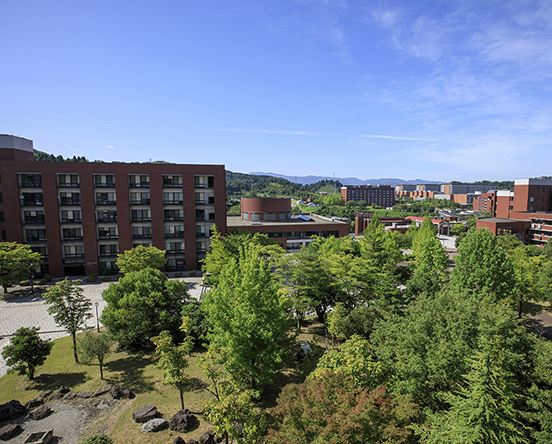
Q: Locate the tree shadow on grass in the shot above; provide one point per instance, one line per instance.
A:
(195, 385)
(48, 381)
(129, 372)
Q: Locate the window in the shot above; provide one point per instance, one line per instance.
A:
(69, 198)
(141, 232)
(174, 231)
(139, 198)
(107, 233)
(4, 237)
(1, 198)
(174, 247)
(72, 234)
(511, 207)
(140, 215)
(172, 181)
(172, 198)
(2, 216)
(138, 181)
(106, 199)
(68, 180)
(104, 180)
(71, 216)
(73, 251)
(109, 250)
(106, 216)
(174, 215)
(38, 235)
(531, 199)
(32, 217)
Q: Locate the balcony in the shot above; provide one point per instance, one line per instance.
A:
(176, 251)
(104, 220)
(174, 218)
(201, 235)
(139, 185)
(30, 184)
(110, 184)
(71, 221)
(34, 221)
(73, 238)
(68, 184)
(65, 201)
(106, 202)
(172, 202)
(208, 201)
(31, 202)
(74, 255)
(169, 184)
(174, 235)
(142, 236)
(109, 253)
(36, 238)
(141, 219)
(140, 202)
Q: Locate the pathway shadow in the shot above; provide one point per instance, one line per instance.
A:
(24, 295)
(49, 381)
(129, 372)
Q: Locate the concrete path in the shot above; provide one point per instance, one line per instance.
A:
(20, 308)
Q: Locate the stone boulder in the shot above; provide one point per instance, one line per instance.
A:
(146, 413)
(70, 395)
(11, 409)
(182, 421)
(105, 389)
(85, 394)
(118, 392)
(154, 425)
(40, 413)
(192, 441)
(34, 403)
(60, 393)
(127, 393)
(45, 394)
(207, 438)
(179, 440)
(9, 431)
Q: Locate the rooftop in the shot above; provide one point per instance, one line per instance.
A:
(236, 221)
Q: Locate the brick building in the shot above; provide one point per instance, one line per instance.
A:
(381, 195)
(79, 216)
(272, 216)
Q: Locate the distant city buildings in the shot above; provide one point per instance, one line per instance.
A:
(380, 195)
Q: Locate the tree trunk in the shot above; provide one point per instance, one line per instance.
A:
(101, 369)
(520, 306)
(181, 397)
(74, 334)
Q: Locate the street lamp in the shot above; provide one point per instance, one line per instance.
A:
(97, 319)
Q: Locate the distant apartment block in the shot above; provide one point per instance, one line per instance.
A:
(381, 195)
(79, 216)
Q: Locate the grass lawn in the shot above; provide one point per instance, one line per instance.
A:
(137, 371)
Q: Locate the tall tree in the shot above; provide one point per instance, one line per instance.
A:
(69, 307)
(526, 273)
(483, 412)
(173, 360)
(141, 305)
(17, 262)
(26, 351)
(248, 320)
(95, 346)
(141, 257)
(482, 267)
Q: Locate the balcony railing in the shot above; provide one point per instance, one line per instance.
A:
(34, 220)
(107, 236)
(103, 220)
(30, 203)
(208, 201)
(141, 219)
(173, 235)
(104, 185)
(139, 185)
(177, 251)
(172, 202)
(73, 238)
(140, 202)
(73, 255)
(30, 185)
(142, 236)
(68, 185)
(36, 238)
(109, 253)
(106, 202)
(201, 234)
(172, 185)
(71, 221)
(174, 218)
(69, 202)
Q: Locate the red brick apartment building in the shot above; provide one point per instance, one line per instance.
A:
(79, 216)
(381, 195)
(272, 216)
(527, 211)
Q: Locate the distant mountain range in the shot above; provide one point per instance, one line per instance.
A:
(306, 180)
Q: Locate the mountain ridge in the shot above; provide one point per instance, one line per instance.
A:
(307, 180)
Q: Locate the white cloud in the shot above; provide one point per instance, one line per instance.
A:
(377, 136)
(267, 131)
(111, 147)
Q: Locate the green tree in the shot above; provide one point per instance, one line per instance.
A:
(482, 267)
(526, 273)
(69, 307)
(333, 409)
(141, 305)
(95, 346)
(100, 438)
(547, 250)
(173, 360)
(141, 257)
(26, 351)
(483, 412)
(355, 358)
(248, 320)
(17, 263)
(457, 229)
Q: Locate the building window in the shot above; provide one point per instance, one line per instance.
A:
(172, 181)
(4, 237)
(139, 180)
(106, 199)
(71, 216)
(2, 216)
(73, 251)
(140, 216)
(104, 180)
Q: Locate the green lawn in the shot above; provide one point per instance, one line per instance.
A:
(137, 371)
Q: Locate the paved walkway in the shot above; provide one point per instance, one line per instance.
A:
(21, 308)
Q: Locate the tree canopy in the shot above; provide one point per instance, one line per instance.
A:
(17, 262)
(26, 351)
(141, 257)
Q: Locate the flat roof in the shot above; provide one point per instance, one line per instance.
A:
(500, 220)
(235, 221)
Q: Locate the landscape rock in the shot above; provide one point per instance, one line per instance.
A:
(11, 409)
(40, 413)
(145, 413)
(63, 389)
(179, 440)
(103, 405)
(60, 393)
(105, 389)
(70, 395)
(128, 393)
(154, 425)
(85, 394)
(192, 441)
(45, 394)
(35, 402)
(207, 438)
(118, 392)
(9, 430)
(182, 421)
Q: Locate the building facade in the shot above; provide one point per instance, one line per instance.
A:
(272, 216)
(79, 216)
(381, 195)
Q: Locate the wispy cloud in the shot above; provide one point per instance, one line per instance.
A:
(267, 131)
(378, 136)
(111, 147)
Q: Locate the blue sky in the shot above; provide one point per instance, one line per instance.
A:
(440, 90)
